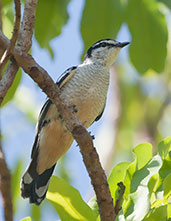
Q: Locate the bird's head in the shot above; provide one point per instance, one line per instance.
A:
(104, 52)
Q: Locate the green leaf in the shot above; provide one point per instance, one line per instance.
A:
(167, 188)
(13, 88)
(101, 19)
(142, 176)
(169, 211)
(5, 2)
(153, 185)
(7, 19)
(36, 213)
(68, 202)
(16, 176)
(128, 177)
(148, 28)
(117, 175)
(143, 154)
(127, 183)
(166, 2)
(159, 213)
(28, 218)
(165, 169)
(164, 147)
(139, 190)
(50, 17)
(94, 206)
(63, 170)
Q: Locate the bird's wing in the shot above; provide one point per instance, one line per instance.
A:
(100, 115)
(66, 76)
(63, 79)
(40, 123)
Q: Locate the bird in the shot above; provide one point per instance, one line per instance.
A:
(85, 86)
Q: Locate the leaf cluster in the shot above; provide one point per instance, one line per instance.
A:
(147, 193)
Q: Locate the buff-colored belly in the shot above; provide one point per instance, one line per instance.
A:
(55, 140)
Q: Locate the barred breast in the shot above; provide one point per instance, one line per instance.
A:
(87, 90)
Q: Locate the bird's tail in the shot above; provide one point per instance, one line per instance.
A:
(34, 186)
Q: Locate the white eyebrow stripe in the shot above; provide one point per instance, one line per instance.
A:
(105, 41)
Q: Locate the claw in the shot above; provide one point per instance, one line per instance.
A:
(92, 136)
(75, 110)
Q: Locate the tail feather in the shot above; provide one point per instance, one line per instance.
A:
(34, 186)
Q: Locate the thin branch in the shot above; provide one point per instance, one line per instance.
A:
(27, 27)
(16, 24)
(7, 54)
(73, 124)
(121, 192)
(5, 186)
(24, 41)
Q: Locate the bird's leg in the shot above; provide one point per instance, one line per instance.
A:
(75, 110)
(92, 136)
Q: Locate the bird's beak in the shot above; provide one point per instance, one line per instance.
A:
(123, 44)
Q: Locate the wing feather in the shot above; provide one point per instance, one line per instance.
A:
(63, 79)
(101, 113)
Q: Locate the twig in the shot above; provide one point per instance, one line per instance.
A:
(27, 27)
(16, 24)
(5, 186)
(120, 197)
(24, 41)
(83, 138)
(7, 54)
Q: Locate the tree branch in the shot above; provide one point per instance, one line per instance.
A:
(73, 124)
(121, 192)
(27, 26)
(5, 186)
(24, 41)
(7, 54)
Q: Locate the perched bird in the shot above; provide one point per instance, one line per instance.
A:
(85, 86)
